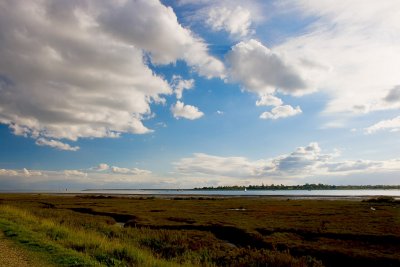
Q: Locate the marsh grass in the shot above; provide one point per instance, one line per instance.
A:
(72, 246)
(205, 232)
(84, 242)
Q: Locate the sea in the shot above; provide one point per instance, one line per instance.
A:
(191, 192)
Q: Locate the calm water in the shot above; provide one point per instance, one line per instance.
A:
(343, 193)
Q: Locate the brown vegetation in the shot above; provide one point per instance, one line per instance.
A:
(255, 231)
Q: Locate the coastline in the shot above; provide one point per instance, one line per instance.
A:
(205, 196)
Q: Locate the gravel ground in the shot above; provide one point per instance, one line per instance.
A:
(11, 255)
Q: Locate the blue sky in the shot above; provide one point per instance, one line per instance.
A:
(182, 93)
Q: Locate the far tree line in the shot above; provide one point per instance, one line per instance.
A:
(299, 187)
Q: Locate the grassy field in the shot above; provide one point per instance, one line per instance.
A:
(197, 231)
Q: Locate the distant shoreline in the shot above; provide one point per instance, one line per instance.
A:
(205, 196)
(272, 187)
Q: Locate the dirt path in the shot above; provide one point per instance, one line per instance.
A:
(11, 255)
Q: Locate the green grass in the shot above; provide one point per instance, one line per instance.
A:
(49, 252)
(67, 246)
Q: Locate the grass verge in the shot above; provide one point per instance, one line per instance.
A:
(64, 246)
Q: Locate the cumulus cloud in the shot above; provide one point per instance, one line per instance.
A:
(21, 130)
(234, 20)
(180, 110)
(111, 170)
(353, 165)
(31, 173)
(179, 84)
(56, 144)
(89, 78)
(269, 100)
(201, 169)
(5, 172)
(281, 112)
(113, 177)
(262, 71)
(102, 167)
(24, 172)
(359, 51)
(392, 125)
(236, 17)
(303, 162)
(155, 28)
(70, 85)
(75, 173)
(303, 158)
(213, 165)
(134, 171)
(353, 58)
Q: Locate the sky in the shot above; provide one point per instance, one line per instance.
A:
(193, 93)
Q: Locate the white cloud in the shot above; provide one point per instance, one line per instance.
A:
(359, 49)
(219, 112)
(155, 28)
(79, 179)
(262, 71)
(75, 173)
(214, 165)
(72, 83)
(179, 84)
(110, 170)
(31, 173)
(180, 110)
(308, 161)
(5, 172)
(392, 125)
(269, 100)
(299, 166)
(89, 78)
(302, 159)
(236, 17)
(20, 130)
(56, 144)
(102, 167)
(265, 72)
(281, 112)
(236, 20)
(22, 173)
(353, 165)
(134, 171)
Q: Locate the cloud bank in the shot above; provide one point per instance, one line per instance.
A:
(99, 176)
(304, 162)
